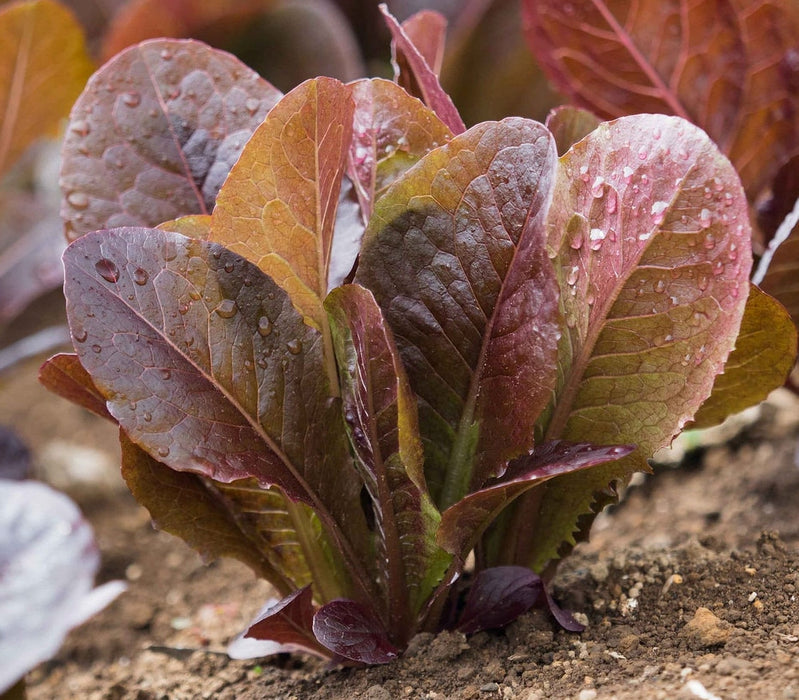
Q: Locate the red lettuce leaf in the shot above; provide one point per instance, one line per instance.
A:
(570, 125)
(651, 229)
(427, 31)
(465, 521)
(289, 625)
(278, 206)
(421, 80)
(207, 366)
(63, 374)
(351, 631)
(155, 133)
(380, 412)
(455, 257)
(391, 132)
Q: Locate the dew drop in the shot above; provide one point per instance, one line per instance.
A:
(728, 199)
(577, 241)
(140, 276)
(107, 270)
(590, 295)
(642, 153)
(132, 99)
(598, 187)
(247, 365)
(264, 326)
(217, 254)
(227, 308)
(80, 335)
(660, 286)
(571, 278)
(163, 452)
(612, 201)
(147, 416)
(705, 218)
(78, 200)
(597, 236)
(170, 251)
(229, 267)
(703, 283)
(80, 127)
(628, 174)
(718, 267)
(709, 242)
(295, 346)
(733, 255)
(166, 375)
(656, 133)
(195, 295)
(658, 212)
(584, 173)
(252, 104)
(166, 55)
(97, 349)
(183, 308)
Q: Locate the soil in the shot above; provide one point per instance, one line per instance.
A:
(689, 590)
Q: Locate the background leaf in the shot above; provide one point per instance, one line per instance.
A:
(569, 125)
(455, 257)
(207, 366)
(36, 89)
(63, 374)
(651, 228)
(765, 351)
(154, 135)
(278, 207)
(730, 66)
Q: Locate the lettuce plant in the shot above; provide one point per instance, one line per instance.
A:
(349, 342)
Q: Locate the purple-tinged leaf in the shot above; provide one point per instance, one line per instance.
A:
(208, 367)
(455, 257)
(31, 243)
(651, 229)
(563, 617)
(218, 520)
(155, 133)
(498, 596)
(278, 207)
(48, 560)
(352, 631)
(421, 75)
(63, 374)
(391, 132)
(765, 351)
(570, 125)
(288, 624)
(380, 413)
(427, 31)
(465, 521)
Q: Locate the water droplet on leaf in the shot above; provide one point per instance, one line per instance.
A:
(132, 98)
(264, 326)
(163, 452)
(78, 200)
(140, 276)
(295, 346)
(80, 335)
(107, 270)
(97, 349)
(705, 218)
(598, 187)
(227, 308)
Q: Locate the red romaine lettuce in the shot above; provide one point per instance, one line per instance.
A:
(351, 411)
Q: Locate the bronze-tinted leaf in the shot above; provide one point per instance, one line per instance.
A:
(44, 65)
(278, 207)
(764, 354)
(455, 257)
(155, 133)
(570, 124)
(63, 374)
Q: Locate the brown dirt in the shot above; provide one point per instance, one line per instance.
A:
(687, 588)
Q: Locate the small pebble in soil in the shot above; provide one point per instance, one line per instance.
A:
(706, 630)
